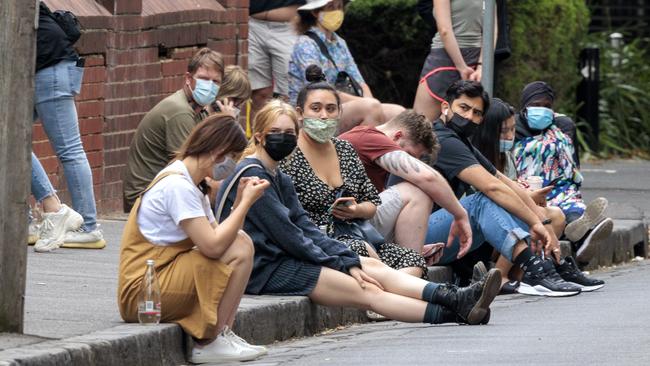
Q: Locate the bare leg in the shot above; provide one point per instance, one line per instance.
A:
(335, 288)
(425, 104)
(557, 216)
(260, 97)
(361, 111)
(239, 257)
(51, 204)
(397, 282)
(413, 271)
(391, 110)
(505, 266)
(411, 224)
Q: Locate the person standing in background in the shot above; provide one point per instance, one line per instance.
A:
(270, 42)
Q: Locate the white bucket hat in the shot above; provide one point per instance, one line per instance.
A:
(314, 4)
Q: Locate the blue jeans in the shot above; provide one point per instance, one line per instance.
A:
(490, 223)
(55, 88)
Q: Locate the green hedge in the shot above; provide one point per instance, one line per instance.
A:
(390, 42)
(546, 38)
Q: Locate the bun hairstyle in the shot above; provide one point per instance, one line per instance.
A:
(316, 80)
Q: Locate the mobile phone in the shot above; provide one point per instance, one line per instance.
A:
(81, 62)
(554, 181)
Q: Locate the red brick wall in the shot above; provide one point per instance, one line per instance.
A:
(125, 76)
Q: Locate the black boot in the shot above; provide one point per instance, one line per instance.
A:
(450, 316)
(470, 303)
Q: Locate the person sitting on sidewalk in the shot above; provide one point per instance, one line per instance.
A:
(494, 138)
(501, 213)
(321, 19)
(293, 257)
(325, 169)
(166, 126)
(200, 289)
(59, 72)
(395, 147)
(542, 149)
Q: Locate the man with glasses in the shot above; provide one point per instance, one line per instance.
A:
(165, 127)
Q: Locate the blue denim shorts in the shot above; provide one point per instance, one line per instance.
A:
(490, 223)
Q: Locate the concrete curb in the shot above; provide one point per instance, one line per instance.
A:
(260, 320)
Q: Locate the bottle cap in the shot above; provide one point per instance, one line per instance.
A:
(150, 262)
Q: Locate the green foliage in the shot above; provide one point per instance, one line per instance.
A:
(624, 108)
(546, 38)
(389, 42)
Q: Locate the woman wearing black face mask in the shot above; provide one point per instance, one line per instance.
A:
(293, 257)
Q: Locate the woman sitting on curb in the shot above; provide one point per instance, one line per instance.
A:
(200, 288)
(293, 257)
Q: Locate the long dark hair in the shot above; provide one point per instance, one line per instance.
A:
(486, 137)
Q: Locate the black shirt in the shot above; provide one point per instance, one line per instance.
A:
(52, 44)
(258, 6)
(456, 154)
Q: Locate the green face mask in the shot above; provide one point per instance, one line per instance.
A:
(320, 130)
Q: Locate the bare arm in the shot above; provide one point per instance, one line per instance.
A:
(442, 13)
(423, 176)
(213, 240)
(523, 195)
(498, 192)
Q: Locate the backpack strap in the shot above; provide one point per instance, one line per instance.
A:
(322, 46)
(234, 179)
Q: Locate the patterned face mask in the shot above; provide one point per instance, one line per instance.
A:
(320, 130)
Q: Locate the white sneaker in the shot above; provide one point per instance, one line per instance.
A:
(32, 235)
(84, 239)
(54, 227)
(228, 333)
(594, 214)
(222, 349)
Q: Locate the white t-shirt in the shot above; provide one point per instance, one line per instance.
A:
(170, 201)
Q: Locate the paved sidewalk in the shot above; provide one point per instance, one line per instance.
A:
(71, 314)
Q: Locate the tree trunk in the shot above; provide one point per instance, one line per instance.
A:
(18, 21)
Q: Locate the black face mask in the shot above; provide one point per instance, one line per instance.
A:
(280, 145)
(462, 126)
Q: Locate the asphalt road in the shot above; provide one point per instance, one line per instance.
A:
(606, 327)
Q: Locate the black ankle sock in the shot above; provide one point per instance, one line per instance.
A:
(523, 257)
(433, 314)
(428, 291)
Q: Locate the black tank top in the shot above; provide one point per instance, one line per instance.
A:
(258, 6)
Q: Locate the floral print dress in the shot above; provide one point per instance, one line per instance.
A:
(550, 155)
(317, 197)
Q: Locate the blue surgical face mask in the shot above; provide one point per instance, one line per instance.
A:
(506, 145)
(205, 92)
(539, 118)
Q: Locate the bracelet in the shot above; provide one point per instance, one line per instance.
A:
(547, 221)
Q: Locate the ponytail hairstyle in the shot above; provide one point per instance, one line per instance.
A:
(264, 120)
(217, 134)
(316, 81)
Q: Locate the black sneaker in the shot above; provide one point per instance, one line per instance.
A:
(509, 287)
(570, 272)
(544, 281)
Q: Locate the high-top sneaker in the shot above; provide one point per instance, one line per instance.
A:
(570, 272)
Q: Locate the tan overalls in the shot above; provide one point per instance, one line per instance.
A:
(191, 284)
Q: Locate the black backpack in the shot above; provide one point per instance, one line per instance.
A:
(67, 21)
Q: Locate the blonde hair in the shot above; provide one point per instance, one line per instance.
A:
(265, 118)
(235, 84)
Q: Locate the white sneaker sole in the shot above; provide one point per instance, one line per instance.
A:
(594, 213)
(584, 288)
(590, 246)
(215, 359)
(72, 222)
(539, 290)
